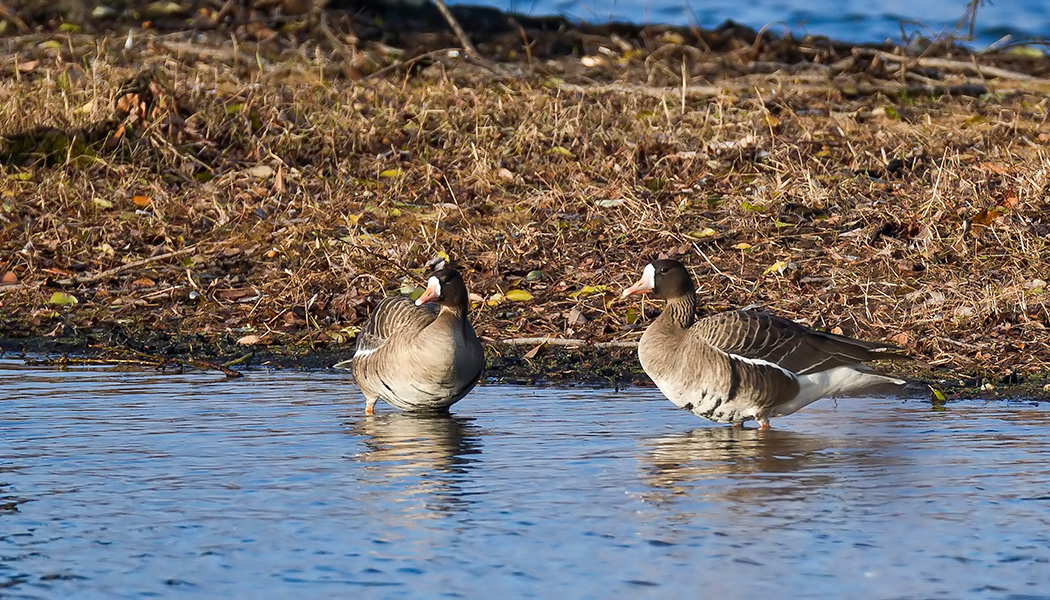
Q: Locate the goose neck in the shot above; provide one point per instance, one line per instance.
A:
(681, 311)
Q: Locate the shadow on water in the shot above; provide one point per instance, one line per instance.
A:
(426, 456)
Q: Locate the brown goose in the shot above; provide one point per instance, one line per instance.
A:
(421, 356)
(738, 366)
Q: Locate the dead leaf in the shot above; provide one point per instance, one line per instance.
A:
(237, 293)
(141, 201)
(777, 267)
(901, 339)
(9, 277)
(994, 168)
(532, 353)
(249, 340)
(143, 282)
(261, 172)
(278, 180)
(836, 330)
(985, 217)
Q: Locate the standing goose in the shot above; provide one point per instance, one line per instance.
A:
(421, 356)
(741, 365)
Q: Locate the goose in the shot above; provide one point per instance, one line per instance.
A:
(420, 356)
(743, 365)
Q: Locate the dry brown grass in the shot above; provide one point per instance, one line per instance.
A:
(303, 196)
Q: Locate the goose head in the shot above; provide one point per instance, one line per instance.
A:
(665, 278)
(446, 288)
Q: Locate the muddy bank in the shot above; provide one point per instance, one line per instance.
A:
(181, 195)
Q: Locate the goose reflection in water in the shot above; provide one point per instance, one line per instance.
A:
(690, 464)
(8, 501)
(418, 458)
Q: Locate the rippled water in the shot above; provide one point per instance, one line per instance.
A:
(130, 484)
(849, 20)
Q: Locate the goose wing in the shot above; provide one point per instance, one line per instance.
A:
(394, 315)
(782, 342)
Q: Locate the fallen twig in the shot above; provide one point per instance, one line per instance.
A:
(160, 361)
(125, 267)
(461, 35)
(155, 362)
(973, 88)
(468, 46)
(954, 66)
(563, 342)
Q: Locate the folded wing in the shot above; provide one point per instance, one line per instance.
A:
(793, 347)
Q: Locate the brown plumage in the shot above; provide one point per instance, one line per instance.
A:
(419, 356)
(737, 366)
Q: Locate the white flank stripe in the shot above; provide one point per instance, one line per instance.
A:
(361, 353)
(759, 361)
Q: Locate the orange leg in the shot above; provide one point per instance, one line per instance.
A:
(764, 425)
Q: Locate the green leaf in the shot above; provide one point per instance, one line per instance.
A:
(390, 173)
(633, 316)
(589, 290)
(518, 296)
(62, 299)
(102, 203)
(1026, 51)
(560, 151)
(412, 290)
(702, 233)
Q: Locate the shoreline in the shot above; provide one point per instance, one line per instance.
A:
(506, 364)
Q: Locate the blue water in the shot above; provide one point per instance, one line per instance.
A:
(133, 484)
(847, 20)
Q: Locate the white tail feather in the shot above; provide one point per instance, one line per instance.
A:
(833, 382)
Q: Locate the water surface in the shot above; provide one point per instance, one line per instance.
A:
(136, 484)
(848, 20)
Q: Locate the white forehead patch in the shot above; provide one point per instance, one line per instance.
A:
(433, 285)
(649, 275)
